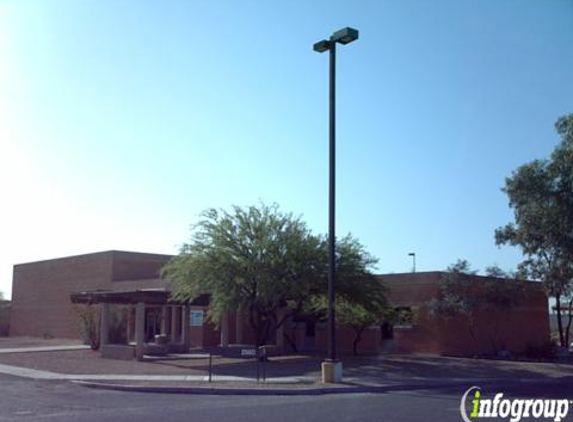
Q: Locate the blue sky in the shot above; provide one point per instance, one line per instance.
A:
(120, 121)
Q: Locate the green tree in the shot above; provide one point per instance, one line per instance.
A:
(461, 295)
(262, 260)
(458, 295)
(541, 196)
(363, 306)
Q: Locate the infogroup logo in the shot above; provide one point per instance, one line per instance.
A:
(514, 409)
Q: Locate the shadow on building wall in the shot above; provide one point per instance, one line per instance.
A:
(4, 317)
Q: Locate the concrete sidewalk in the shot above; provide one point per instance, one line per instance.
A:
(43, 348)
(47, 375)
(225, 385)
(237, 385)
(189, 372)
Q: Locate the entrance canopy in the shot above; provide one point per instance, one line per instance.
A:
(159, 296)
(173, 319)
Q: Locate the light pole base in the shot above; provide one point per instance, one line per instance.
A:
(331, 372)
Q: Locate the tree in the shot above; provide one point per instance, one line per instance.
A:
(458, 295)
(461, 295)
(359, 309)
(262, 260)
(541, 196)
(89, 318)
(1, 295)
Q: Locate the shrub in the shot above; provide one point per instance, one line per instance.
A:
(89, 324)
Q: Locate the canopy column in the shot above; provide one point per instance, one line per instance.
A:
(225, 330)
(174, 323)
(280, 340)
(164, 322)
(104, 324)
(130, 321)
(239, 326)
(139, 329)
(185, 337)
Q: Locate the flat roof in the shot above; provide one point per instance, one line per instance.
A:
(105, 252)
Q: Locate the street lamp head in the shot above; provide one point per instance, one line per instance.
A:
(412, 254)
(322, 46)
(345, 35)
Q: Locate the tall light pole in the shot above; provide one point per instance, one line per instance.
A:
(332, 368)
(413, 255)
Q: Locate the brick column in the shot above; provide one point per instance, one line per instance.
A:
(164, 319)
(129, 333)
(173, 324)
(139, 329)
(225, 330)
(104, 324)
(239, 326)
(185, 335)
(280, 334)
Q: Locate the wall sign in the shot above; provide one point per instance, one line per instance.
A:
(196, 318)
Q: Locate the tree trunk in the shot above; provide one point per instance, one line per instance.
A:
(290, 341)
(260, 329)
(560, 321)
(254, 320)
(357, 339)
(570, 316)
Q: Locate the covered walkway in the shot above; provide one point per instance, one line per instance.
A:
(155, 323)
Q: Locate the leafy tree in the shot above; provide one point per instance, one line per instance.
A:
(359, 309)
(541, 195)
(264, 261)
(460, 295)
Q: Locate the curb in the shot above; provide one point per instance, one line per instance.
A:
(318, 391)
(229, 391)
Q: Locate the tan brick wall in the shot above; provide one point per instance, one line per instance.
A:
(527, 324)
(137, 266)
(41, 293)
(41, 290)
(41, 306)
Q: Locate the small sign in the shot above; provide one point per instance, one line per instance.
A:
(249, 353)
(196, 318)
(236, 352)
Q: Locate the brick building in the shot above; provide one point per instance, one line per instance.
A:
(41, 290)
(41, 306)
(525, 326)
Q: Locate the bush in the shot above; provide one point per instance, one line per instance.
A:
(89, 317)
(89, 324)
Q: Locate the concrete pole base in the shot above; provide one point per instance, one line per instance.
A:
(331, 372)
